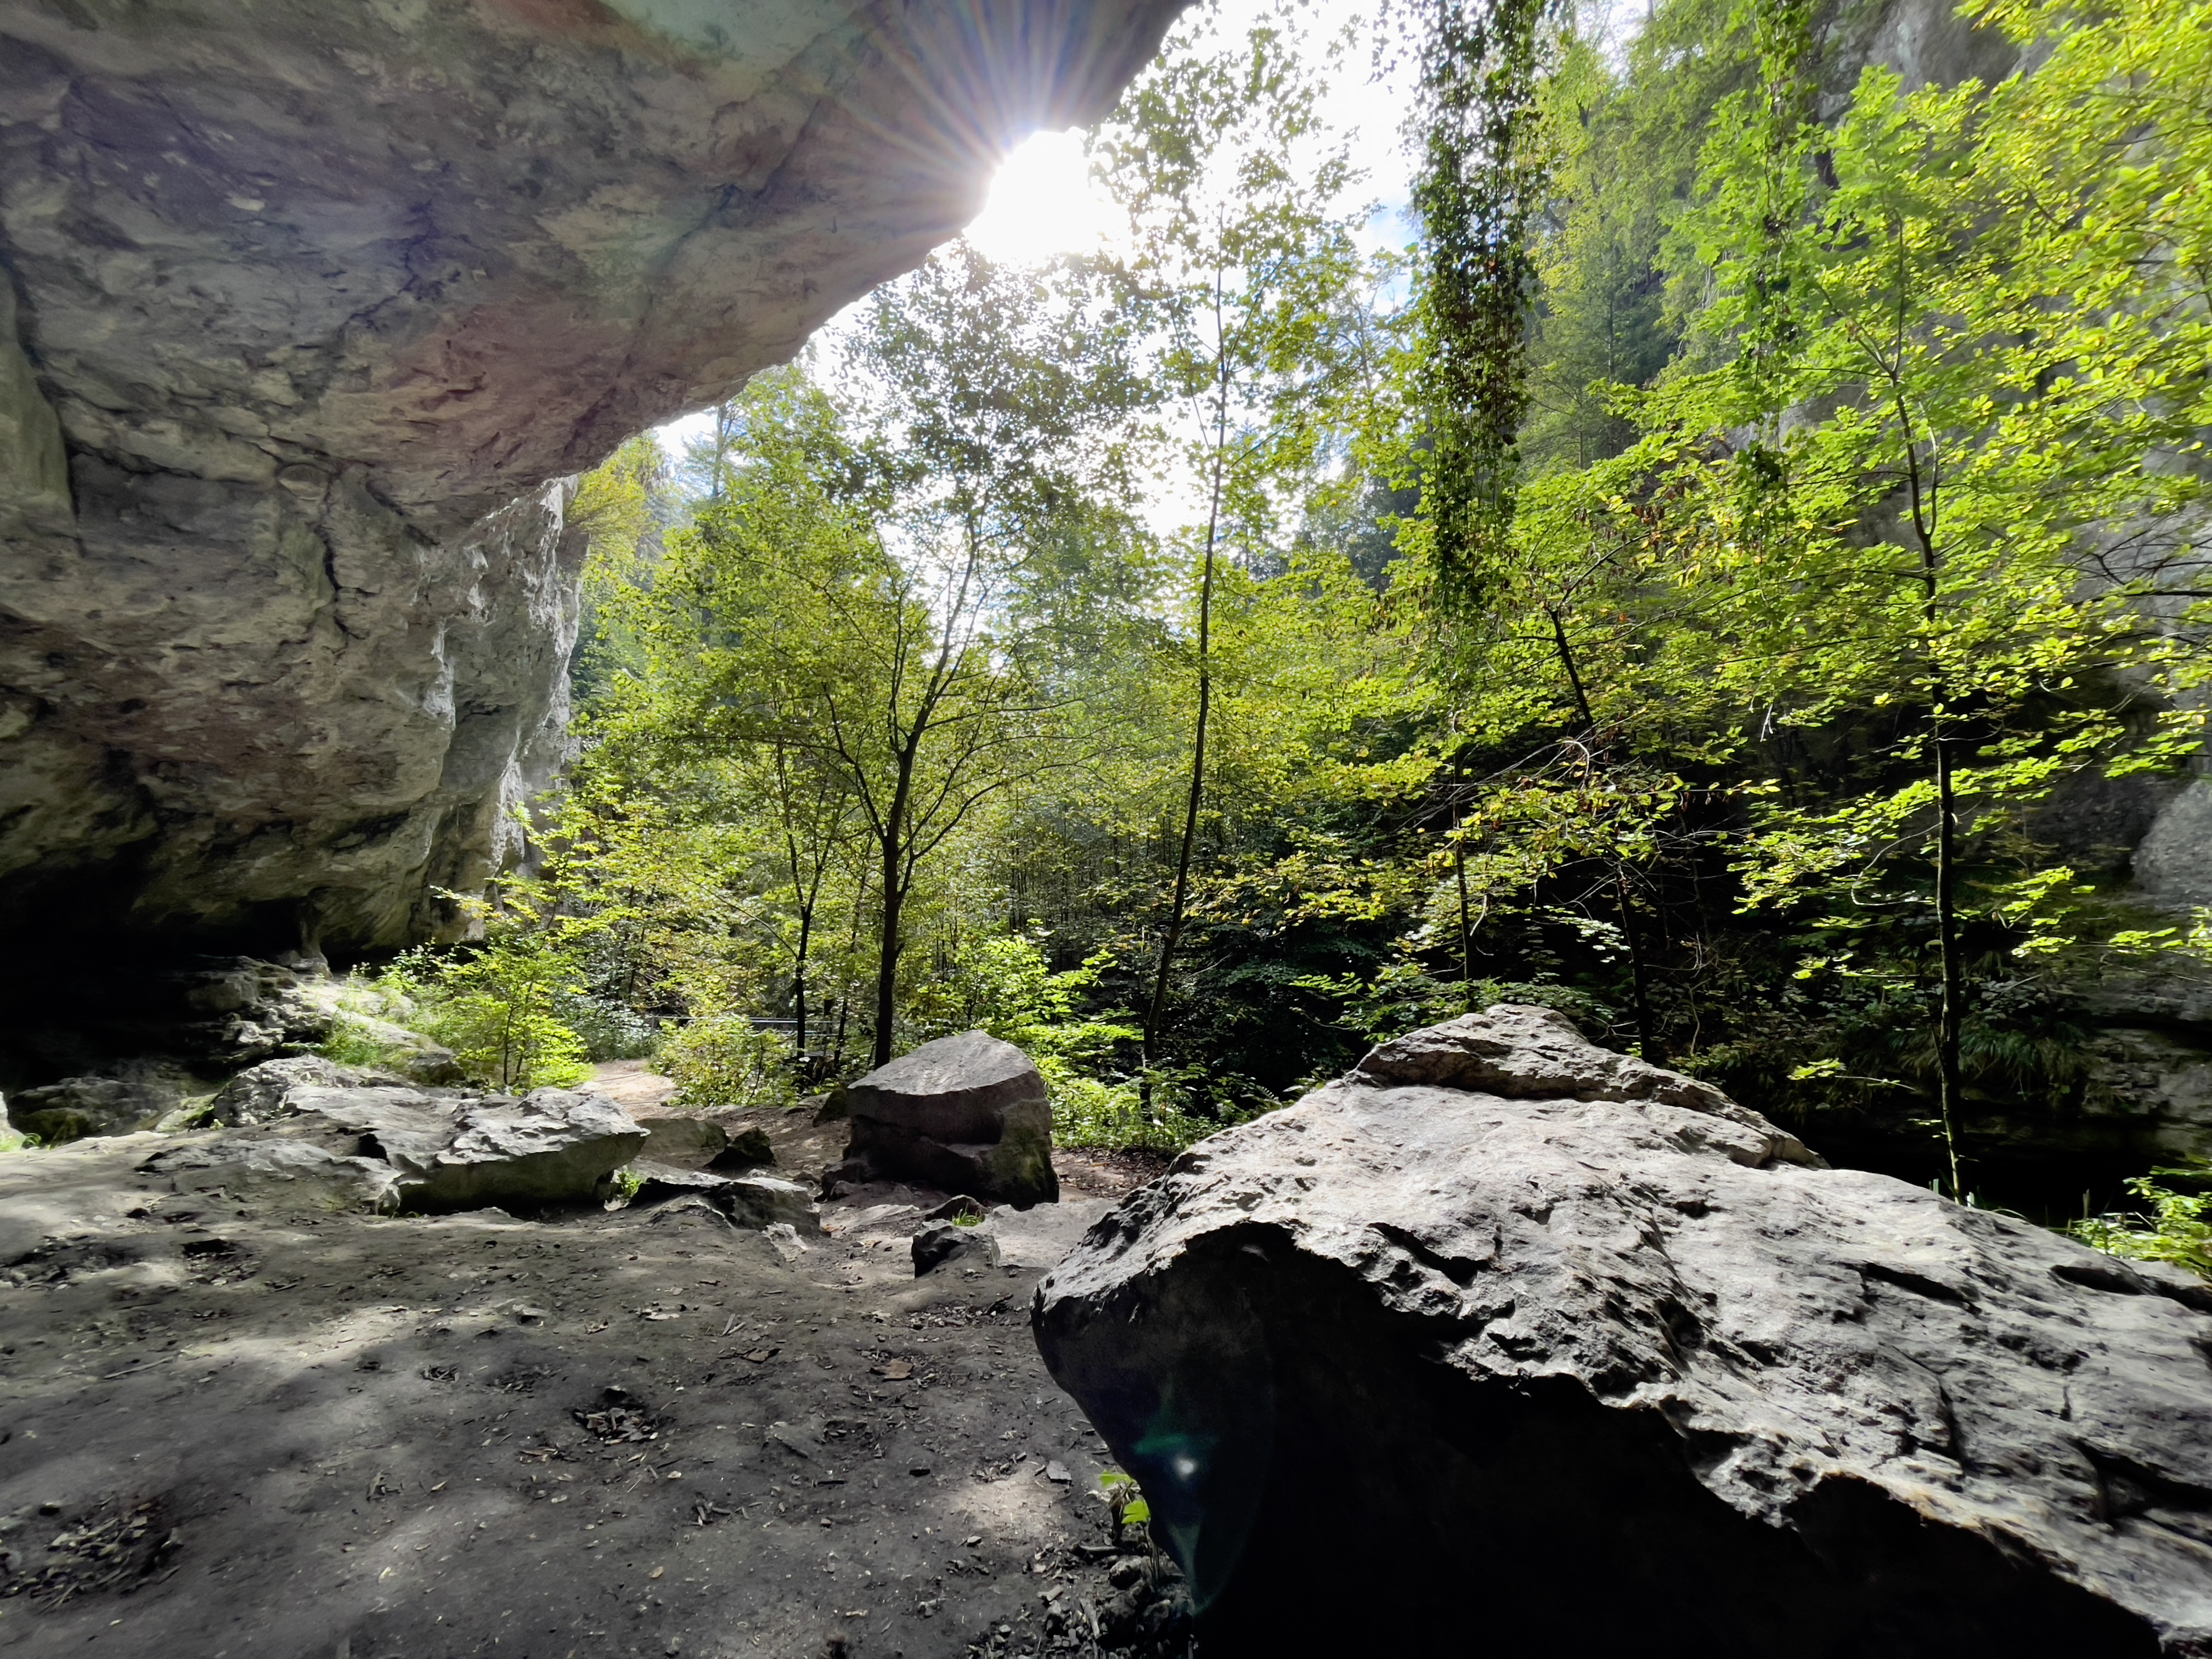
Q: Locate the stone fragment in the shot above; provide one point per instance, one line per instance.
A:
(968, 1114)
(689, 1141)
(784, 1236)
(752, 1201)
(748, 1149)
(1500, 1336)
(658, 1181)
(946, 1243)
(765, 1202)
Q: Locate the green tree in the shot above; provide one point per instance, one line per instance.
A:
(1251, 283)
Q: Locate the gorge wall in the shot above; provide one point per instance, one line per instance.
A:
(305, 312)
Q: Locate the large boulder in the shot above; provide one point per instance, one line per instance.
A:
(968, 1114)
(78, 1107)
(1505, 1345)
(552, 1146)
(398, 1147)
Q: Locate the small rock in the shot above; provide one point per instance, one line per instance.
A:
(942, 1241)
(1056, 1472)
(748, 1149)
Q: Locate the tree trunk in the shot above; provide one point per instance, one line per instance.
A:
(1168, 942)
(1952, 1015)
(895, 878)
(1647, 1033)
(887, 965)
(798, 981)
(1189, 823)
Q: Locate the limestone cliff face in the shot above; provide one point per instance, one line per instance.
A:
(305, 311)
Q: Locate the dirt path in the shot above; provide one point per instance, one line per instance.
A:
(250, 1426)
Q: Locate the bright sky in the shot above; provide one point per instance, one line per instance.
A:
(1043, 201)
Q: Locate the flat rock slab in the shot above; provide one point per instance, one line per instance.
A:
(551, 1147)
(691, 1142)
(1040, 1238)
(399, 1146)
(1438, 1358)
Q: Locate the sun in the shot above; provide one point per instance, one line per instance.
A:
(1043, 201)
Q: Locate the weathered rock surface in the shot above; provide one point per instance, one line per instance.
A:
(308, 310)
(748, 1149)
(965, 1114)
(947, 1244)
(1441, 1360)
(765, 1201)
(78, 1107)
(754, 1201)
(689, 1142)
(260, 1093)
(294, 1161)
(551, 1147)
(411, 1148)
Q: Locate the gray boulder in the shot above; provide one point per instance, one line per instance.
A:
(553, 1147)
(967, 1113)
(764, 1201)
(753, 1201)
(285, 1166)
(1502, 1344)
(261, 1094)
(78, 1107)
(748, 1149)
(686, 1141)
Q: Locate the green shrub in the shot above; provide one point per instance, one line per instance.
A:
(609, 1030)
(1115, 1116)
(494, 1006)
(2176, 1229)
(362, 1041)
(720, 1061)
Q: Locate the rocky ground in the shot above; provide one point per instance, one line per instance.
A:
(258, 1423)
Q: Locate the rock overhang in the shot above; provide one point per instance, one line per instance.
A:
(307, 311)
